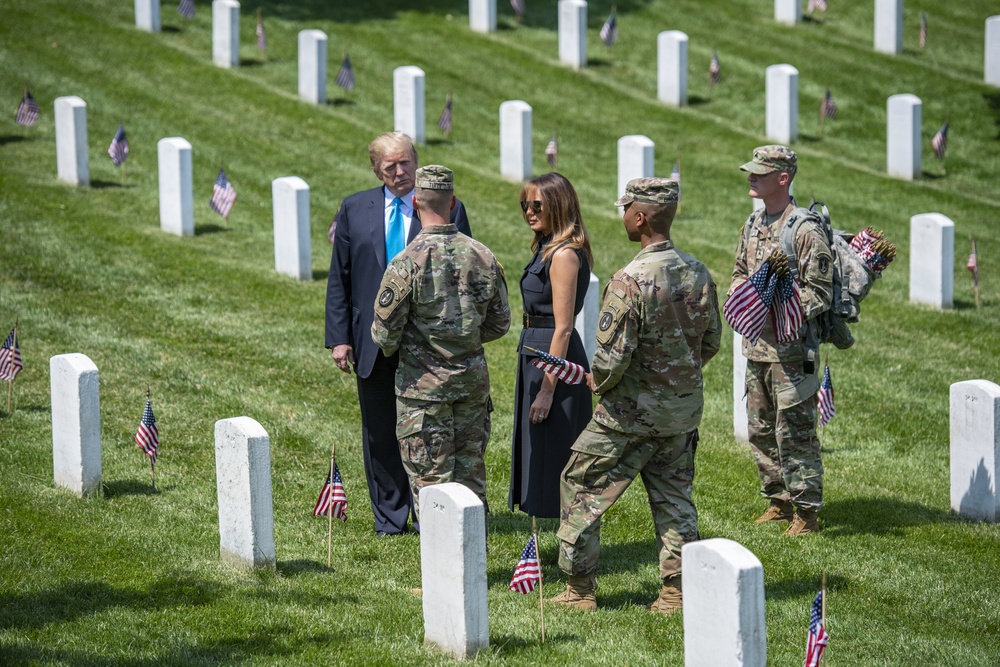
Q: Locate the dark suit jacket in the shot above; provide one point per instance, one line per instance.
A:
(356, 269)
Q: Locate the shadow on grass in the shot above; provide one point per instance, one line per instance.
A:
(132, 487)
(340, 102)
(292, 568)
(510, 646)
(11, 139)
(26, 408)
(697, 100)
(993, 101)
(169, 28)
(201, 230)
(103, 185)
(250, 62)
(321, 274)
(933, 176)
(805, 588)
(876, 516)
(438, 141)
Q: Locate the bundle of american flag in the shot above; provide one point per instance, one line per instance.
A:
(771, 290)
(874, 249)
(118, 150)
(223, 195)
(10, 357)
(564, 370)
(27, 110)
(332, 497)
(528, 572)
(818, 637)
(825, 398)
(147, 437)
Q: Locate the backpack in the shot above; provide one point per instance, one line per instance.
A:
(852, 278)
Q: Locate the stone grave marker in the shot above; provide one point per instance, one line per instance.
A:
(453, 569)
(635, 160)
(408, 102)
(147, 15)
(292, 247)
(586, 321)
(76, 423)
(889, 26)
(312, 66)
(243, 484)
(226, 33)
(573, 33)
(788, 12)
(515, 140)
(782, 86)
(483, 15)
(903, 128)
(975, 449)
(932, 260)
(176, 186)
(991, 66)
(672, 67)
(72, 161)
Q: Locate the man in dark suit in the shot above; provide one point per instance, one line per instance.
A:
(370, 228)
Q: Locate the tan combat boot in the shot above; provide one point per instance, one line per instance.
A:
(805, 522)
(779, 510)
(670, 597)
(579, 593)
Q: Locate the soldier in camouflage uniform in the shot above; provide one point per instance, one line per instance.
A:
(782, 379)
(439, 301)
(659, 325)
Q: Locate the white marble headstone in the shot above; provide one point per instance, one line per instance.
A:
(573, 33)
(147, 15)
(312, 66)
(991, 65)
(672, 66)
(586, 321)
(782, 86)
(243, 484)
(483, 15)
(788, 12)
(903, 128)
(723, 605)
(453, 569)
(176, 186)
(932, 260)
(889, 26)
(76, 423)
(741, 428)
(515, 140)
(975, 449)
(635, 159)
(226, 33)
(72, 160)
(408, 102)
(292, 247)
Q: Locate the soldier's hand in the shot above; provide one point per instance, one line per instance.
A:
(343, 356)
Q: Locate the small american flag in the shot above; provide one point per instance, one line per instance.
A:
(528, 572)
(552, 152)
(147, 437)
(118, 150)
(444, 122)
(10, 357)
(815, 5)
(973, 265)
(261, 35)
(223, 195)
(826, 409)
(940, 141)
(564, 370)
(788, 314)
(818, 638)
(609, 31)
(27, 110)
(518, 7)
(675, 175)
(923, 30)
(747, 307)
(345, 77)
(186, 9)
(828, 107)
(332, 494)
(714, 71)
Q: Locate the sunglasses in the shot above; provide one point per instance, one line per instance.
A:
(535, 206)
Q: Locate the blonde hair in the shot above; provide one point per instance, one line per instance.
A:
(561, 213)
(390, 142)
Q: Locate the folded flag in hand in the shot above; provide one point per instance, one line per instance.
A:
(564, 370)
(747, 307)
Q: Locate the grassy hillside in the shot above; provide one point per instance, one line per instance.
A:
(133, 577)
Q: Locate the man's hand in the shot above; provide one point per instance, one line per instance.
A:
(343, 356)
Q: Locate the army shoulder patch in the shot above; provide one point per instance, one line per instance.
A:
(612, 313)
(394, 292)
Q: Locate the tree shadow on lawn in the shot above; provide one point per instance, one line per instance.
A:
(876, 516)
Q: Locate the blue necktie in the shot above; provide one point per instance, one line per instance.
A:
(394, 241)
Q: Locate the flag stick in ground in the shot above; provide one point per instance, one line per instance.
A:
(973, 265)
(329, 534)
(541, 605)
(823, 621)
(152, 463)
(13, 351)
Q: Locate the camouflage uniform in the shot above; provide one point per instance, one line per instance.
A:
(781, 382)
(659, 325)
(440, 300)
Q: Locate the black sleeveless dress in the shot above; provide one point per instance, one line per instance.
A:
(540, 451)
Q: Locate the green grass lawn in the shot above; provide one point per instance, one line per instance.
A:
(133, 577)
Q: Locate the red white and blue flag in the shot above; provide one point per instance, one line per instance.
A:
(186, 9)
(788, 314)
(444, 122)
(528, 572)
(345, 77)
(940, 141)
(147, 437)
(826, 409)
(261, 34)
(552, 152)
(923, 30)
(10, 357)
(518, 7)
(818, 638)
(27, 110)
(332, 495)
(609, 31)
(223, 195)
(816, 5)
(567, 371)
(118, 150)
(747, 307)
(828, 107)
(714, 70)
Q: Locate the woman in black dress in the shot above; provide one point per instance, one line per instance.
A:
(548, 413)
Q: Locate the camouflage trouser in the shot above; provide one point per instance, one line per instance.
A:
(443, 442)
(591, 483)
(781, 411)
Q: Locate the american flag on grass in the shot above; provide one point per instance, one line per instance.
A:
(333, 494)
(186, 9)
(828, 107)
(675, 175)
(518, 7)
(973, 265)
(923, 30)
(444, 122)
(714, 70)
(747, 307)
(10, 357)
(940, 141)
(223, 195)
(564, 370)
(552, 152)
(528, 572)
(609, 31)
(345, 77)
(788, 314)
(118, 150)
(27, 110)
(261, 35)
(818, 638)
(147, 437)
(825, 398)
(816, 5)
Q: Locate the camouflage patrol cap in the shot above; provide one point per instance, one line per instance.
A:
(650, 191)
(435, 177)
(767, 159)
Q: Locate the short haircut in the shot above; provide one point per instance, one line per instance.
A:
(390, 142)
(438, 201)
(660, 216)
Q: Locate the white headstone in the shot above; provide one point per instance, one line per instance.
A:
(573, 33)
(226, 33)
(975, 449)
(147, 15)
(176, 186)
(76, 423)
(782, 85)
(408, 102)
(483, 15)
(72, 160)
(991, 67)
(586, 321)
(741, 427)
(788, 11)
(453, 569)
(243, 483)
(723, 605)
(312, 66)
(635, 159)
(292, 248)
(515, 140)
(932, 260)
(903, 128)
(889, 26)
(672, 68)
